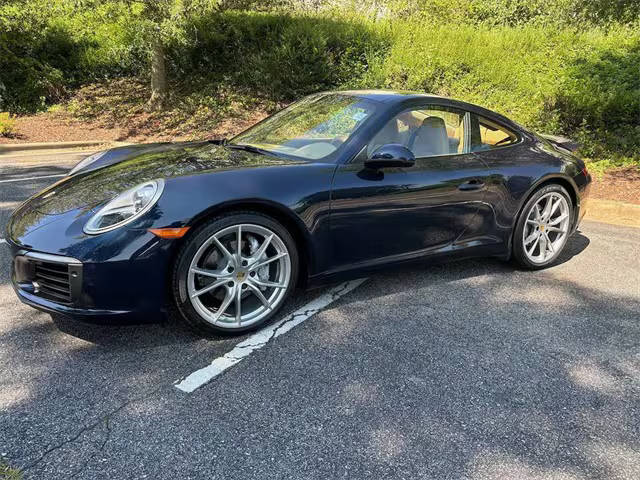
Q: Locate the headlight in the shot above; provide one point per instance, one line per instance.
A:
(86, 162)
(125, 208)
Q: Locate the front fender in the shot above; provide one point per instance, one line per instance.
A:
(297, 195)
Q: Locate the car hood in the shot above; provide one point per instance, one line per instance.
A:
(126, 169)
(155, 161)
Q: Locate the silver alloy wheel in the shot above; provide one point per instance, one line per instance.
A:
(547, 227)
(239, 275)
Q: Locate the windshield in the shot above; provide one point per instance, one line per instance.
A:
(313, 128)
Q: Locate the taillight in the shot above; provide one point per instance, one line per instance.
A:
(585, 172)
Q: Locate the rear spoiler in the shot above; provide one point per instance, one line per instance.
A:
(563, 142)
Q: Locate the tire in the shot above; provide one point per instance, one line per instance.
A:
(537, 243)
(207, 278)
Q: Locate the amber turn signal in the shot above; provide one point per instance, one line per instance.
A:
(169, 232)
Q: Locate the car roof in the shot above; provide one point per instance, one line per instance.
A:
(400, 96)
(388, 96)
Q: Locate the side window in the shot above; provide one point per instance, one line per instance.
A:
(487, 134)
(427, 132)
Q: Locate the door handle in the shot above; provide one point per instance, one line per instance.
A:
(474, 184)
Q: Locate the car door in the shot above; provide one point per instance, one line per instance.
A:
(394, 214)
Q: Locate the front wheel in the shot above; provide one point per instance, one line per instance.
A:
(543, 228)
(234, 273)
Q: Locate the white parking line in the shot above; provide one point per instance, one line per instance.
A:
(22, 179)
(262, 337)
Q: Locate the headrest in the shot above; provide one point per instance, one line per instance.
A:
(434, 122)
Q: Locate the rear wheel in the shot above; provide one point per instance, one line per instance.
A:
(234, 273)
(543, 227)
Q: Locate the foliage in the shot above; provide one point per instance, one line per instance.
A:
(523, 58)
(47, 47)
(278, 56)
(583, 85)
(7, 124)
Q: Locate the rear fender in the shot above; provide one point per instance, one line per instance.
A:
(567, 182)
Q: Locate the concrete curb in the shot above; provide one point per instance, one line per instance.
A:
(18, 147)
(613, 212)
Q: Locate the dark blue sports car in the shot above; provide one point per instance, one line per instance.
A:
(335, 185)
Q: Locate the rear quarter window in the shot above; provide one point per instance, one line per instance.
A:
(487, 135)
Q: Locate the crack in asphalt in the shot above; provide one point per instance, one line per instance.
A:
(103, 420)
(94, 454)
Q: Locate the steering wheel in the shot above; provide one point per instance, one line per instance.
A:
(506, 139)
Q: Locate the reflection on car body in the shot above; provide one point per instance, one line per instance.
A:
(333, 186)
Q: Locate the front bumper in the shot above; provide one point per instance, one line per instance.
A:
(82, 314)
(121, 291)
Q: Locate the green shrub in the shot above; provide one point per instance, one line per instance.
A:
(581, 84)
(7, 125)
(523, 58)
(279, 56)
(48, 47)
(598, 96)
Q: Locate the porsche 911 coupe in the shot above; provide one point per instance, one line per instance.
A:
(336, 185)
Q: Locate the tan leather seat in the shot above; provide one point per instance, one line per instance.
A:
(430, 138)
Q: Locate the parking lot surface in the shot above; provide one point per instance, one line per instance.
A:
(469, 370)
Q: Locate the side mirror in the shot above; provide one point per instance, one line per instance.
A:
(391, 155)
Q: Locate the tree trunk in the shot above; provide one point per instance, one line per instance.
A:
(158, 77)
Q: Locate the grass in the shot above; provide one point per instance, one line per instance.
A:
(599, 168)
(9, 473)
(581, 83)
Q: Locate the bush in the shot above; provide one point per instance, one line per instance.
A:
(523, 58)
(7, 125)
(580, 84)
(278, 56)
(598, 97)
(49, 47)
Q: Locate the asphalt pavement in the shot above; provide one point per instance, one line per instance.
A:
(469, 370)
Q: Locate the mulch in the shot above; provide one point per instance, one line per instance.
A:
(44, 127)
(622, 184)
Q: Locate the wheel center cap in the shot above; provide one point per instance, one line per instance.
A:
(541, 227)
(241, 275)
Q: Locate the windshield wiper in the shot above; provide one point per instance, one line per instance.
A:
(248, 148)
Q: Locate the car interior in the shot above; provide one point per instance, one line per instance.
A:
(425, 132)
(430, 133)
(490, 135)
